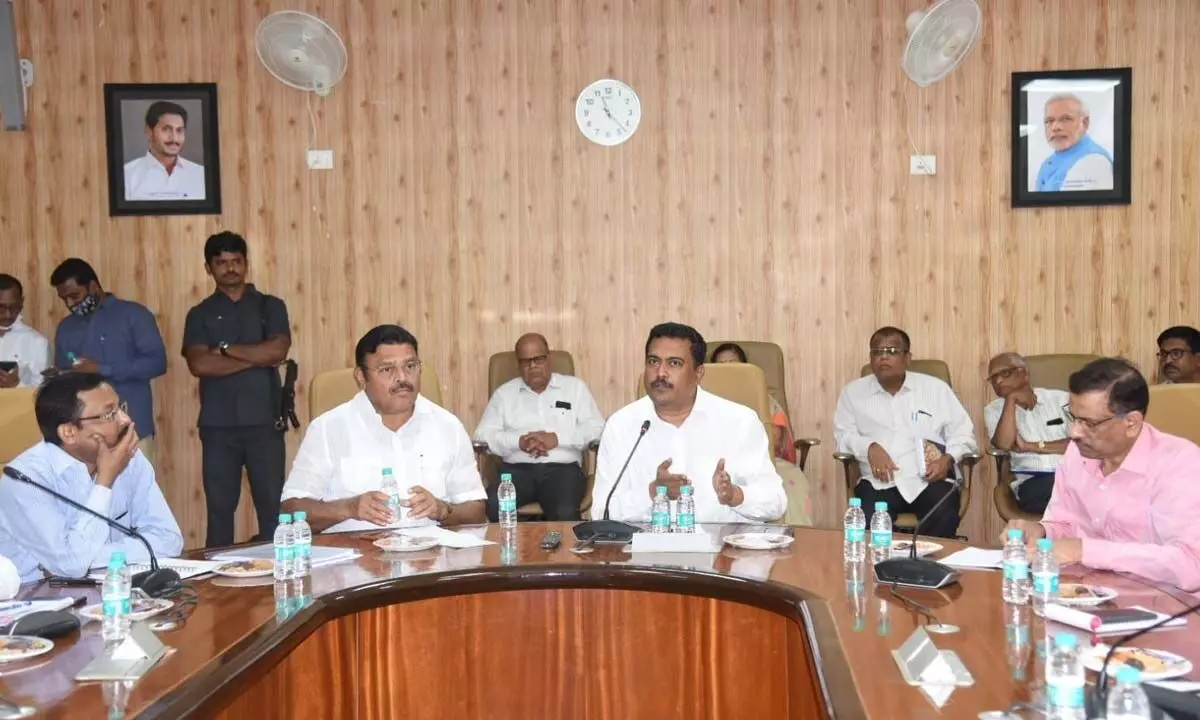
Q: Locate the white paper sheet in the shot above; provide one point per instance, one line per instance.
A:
(975, 559)
(447, 538)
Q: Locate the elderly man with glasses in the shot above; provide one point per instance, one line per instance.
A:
(387, 429)
(1126, 496)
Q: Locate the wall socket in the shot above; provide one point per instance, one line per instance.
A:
(922, 165)
(320, 159)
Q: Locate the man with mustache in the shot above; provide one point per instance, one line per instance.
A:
(234, 340)
(695, 438)
(88, 453)
(1078, 161)
(337, 476)
(1179, 355)
(24, 352)
(163, 173)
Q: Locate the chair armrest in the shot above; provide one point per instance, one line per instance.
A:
(594, 446)
(997, 452)
(481, 448)
(970, 459)
(803, 445)
(844, 458)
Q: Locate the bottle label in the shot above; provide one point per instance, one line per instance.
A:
(881, 538)
(304, 550)
(284, 553)
(686, 520)
(1045, 583)
(1062, 693)
(508, 505)
(111, 607)
(660, 518)
(1016, 570)
(856, 535)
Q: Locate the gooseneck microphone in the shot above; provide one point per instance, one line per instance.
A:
(611, 530)
(914, 571)
(155, 582)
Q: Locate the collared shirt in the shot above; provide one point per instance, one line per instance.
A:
(123, 339)
(345, 450)
(565, 408)
(250, 397)
(716, 428)
(925, 408)
(147, 179)
(1141, 518)
(37, 529)
(10, 579)
(29, 349)
(1044, 422)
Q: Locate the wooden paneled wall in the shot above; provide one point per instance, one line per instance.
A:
(766, 195)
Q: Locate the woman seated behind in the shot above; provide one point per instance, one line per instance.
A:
(785, 446)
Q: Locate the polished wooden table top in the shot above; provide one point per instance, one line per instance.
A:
(235, 621)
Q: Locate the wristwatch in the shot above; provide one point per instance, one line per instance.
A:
(223, 348)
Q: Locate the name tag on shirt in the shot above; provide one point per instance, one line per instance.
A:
(562, 405)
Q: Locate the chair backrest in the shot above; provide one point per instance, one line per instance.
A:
(1052, 371)
(1175, 409)
(18, 424)
(744, 384)
(937, 368)
(502, 367)
(769, 357)
(334, 387)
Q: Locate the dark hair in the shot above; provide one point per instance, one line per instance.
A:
(1127, 389)
(889, 331)
(222, 242)
(73, 269)
(679, 331)
(1189, 335)
(157, 109)
(8, 282)
(58, 402)
(729, 347)
(382, 335)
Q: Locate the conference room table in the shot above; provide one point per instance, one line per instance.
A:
(509, 630)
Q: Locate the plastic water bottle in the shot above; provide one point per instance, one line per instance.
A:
(284, 548)
(685, 512)
(116, 603)
(508, 546)
(1064, 680)
(881, 533)
(506, 497)
(389, 487)
(302, 541)
(855, 572)
(1045, 577)
(855, 546)
(1017, 646)
(1016, 569)
(660, 511)
(1127, 700)
(283, 599)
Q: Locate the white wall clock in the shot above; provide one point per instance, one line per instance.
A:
(608, 112)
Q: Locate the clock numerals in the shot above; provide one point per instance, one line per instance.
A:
(608, 126)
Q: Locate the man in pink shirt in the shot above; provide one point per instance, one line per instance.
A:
(1126, 496)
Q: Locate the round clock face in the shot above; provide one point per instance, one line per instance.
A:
(608, 112)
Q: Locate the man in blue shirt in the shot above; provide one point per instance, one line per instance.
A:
(115, 338)
(1078, 162)
(90, 455)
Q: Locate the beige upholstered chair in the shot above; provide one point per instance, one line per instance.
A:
(1175, 409)
(334, 387)
(18, 425)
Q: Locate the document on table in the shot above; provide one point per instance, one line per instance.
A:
(975, 559)
(445, 538)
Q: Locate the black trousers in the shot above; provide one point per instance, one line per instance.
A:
(943, 523)
(260, 450)
(1033, 495)
(557, 487)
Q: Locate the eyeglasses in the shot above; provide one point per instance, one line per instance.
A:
(1087, 424)
(1177, 354)
(889, 351)
(110, 416)
(408, 367)
(1002, 374)
(536, 361)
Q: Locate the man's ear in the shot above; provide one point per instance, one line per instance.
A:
(360, 378)
(68, 434)
(699, 373)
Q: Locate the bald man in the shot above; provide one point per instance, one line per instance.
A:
(539, 424)
(1031, 424)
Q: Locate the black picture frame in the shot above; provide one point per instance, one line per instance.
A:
(193, 187)
(1067, 175)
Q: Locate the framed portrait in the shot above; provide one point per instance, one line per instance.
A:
(1071, 132)
(163, 152)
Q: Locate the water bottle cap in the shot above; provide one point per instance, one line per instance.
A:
(300, 516)
(686, 489)
(1065, 640)
(855, 502)
(1128, 675)
(1014, 534)
(387, 471)
(117, 560)
(285, 517)
(505, 477)
(660, 490)
(118, 555)
(881, 506)
(1045, 544)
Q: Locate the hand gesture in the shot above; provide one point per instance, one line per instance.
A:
(422, 504)
(1032, 531)
(532, 444)
(371, 507)
(939, 469)
(548, 440)
(727, 492)
(112, 461)
(664, 476)
(881, 463)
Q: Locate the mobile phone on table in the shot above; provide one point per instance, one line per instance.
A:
(1123, 615)
(550, 540)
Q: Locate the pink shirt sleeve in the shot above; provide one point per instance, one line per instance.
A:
(1066, 514)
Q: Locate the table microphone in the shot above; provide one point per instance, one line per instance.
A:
(1100, 691)
(611, 530)
(914, 571)
(155, 582)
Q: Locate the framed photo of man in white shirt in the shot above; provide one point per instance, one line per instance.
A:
(163, 156)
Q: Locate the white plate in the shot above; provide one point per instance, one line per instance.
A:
(759, 541)
(1159, 664)
(1098, 594)
(143, 608)
(14, 648)
(404, 543)
(924, 547)
(246, 568)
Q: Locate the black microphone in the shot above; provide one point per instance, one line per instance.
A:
(154, 582)
(1100, 691)
(611, 530)
(914, 571)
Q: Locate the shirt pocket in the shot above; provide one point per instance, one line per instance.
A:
(433, 470)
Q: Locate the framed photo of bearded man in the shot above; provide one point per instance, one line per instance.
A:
(1071, 137)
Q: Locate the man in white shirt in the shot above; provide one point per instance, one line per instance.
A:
(163, 173)
(539, 424)
(337, 475)
(908, 431)
(685, 435)
(1030, 423)
(10, 579)
(24, 352)
(1179, 355)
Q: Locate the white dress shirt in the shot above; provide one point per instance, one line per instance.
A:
(716, 428)
(29, 349)
(345, 450)
(565, 408)
(10, 579)
(925, 408)
(147, 179)
(1032, 426)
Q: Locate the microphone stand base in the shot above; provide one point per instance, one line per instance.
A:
(915, 573)
(157, 583)
(605, 531)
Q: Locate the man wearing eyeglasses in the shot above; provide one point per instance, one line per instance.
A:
(1031, 425)
(387, 428)
(1125, 496)
(1179, 355)
(909, 433)
(539, 423)
(89, 453)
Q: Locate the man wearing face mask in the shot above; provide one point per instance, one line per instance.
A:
(388, 427)
(24, 352)
(116, 338)
(89, 453)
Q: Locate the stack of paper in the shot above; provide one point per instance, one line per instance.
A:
(445, 538)
(975, 559)
(186, 568)
(322, 555)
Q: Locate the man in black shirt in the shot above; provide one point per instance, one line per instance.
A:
(234, 340)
